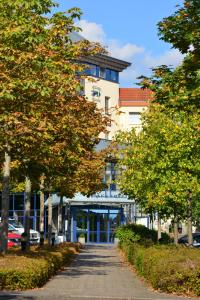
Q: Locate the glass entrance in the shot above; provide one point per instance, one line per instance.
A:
(96, 225)
(93, 227)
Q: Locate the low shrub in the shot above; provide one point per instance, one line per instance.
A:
(126, 234)
(20, 271)
(169, 268)
(140, 234)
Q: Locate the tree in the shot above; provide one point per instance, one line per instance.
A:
(179, 89)
(42, 111)
(166, 173)
(161, 164)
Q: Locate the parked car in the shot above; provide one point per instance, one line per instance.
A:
(196, 239)
(16, 227)
(13, 239)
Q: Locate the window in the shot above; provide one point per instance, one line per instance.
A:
(135, 118)
(96, 93)
(92, 70)
(112, 75)
(102, 72)
(107, 105)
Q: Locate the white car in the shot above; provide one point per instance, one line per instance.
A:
(17, 227)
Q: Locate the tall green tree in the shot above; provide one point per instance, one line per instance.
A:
(162, 163)
(179, 89)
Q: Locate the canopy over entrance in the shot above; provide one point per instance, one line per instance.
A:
(98, 199)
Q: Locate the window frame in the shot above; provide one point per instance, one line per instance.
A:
(134, 121)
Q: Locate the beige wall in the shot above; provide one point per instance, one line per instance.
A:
(119, 116)
(124, 121)
(106, 89)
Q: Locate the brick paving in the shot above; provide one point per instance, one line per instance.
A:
(97, 273)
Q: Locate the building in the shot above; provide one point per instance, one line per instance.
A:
(102, 87)
(132, 102)
(97, 217)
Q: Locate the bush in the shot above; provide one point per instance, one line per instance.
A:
(126, 234)
(174, 269)
(137, 233)
(141, 234)
(34, 268)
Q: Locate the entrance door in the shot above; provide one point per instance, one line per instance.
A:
(104, 228)
(93, 227)
(114, 222)
(96, 225)
(81, 224)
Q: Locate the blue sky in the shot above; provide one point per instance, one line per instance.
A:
(128, 30)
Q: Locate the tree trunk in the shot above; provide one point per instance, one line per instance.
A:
(60, 215)
(175, 230)
(159, 228)
(5, 204)
(27, 209)
(190, 238)
(42, 205)
(49, 219)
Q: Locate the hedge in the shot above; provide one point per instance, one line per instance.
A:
(168, 268)
(20, 271)
(141, 234)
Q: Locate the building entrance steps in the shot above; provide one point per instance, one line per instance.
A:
(97, 273)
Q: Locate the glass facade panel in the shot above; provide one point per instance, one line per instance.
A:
(19, 202)
(92, 70)
(104, 237)
(98, 225)
(81, 218)
(114, 75)
(102, 73)
(111, 236)
(93, 237)
(103, 220)
(114, 221)
(92, 222)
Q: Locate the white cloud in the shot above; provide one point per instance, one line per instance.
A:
(142, 59)
(172, 57)
(92, 31)
(126, 52)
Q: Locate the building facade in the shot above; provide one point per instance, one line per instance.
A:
(102, 87)
(132, 102)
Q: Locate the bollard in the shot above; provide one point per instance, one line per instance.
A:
(41, 238)
(53, 237)
(24, 241)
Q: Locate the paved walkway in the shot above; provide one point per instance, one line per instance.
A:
(97, 273)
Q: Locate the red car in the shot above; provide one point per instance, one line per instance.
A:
(13, 239)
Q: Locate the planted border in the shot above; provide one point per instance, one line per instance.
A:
(19, 271)
(168, 268)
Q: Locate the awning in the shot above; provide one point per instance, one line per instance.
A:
(97, 199)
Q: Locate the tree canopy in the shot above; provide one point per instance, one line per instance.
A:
(161, 163)
(46, 124)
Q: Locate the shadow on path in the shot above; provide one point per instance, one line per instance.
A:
(97, 273)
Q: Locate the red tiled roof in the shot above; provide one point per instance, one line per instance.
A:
(134, 96)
